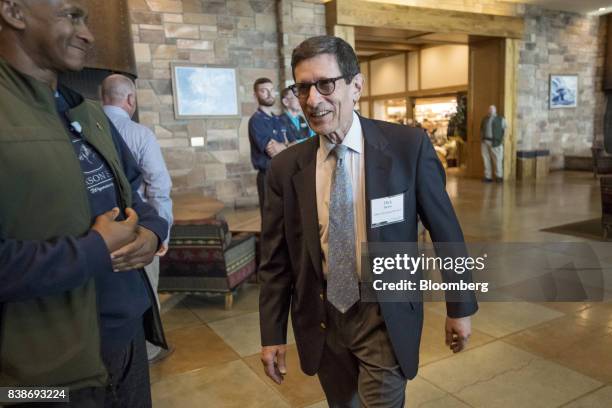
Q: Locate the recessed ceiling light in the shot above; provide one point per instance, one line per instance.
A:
(602, 9)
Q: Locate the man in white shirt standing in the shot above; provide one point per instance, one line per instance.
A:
(119, 99)
(492, 130)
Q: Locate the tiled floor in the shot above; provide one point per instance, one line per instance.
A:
(520, 354)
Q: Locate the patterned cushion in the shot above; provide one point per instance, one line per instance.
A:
(205, 257)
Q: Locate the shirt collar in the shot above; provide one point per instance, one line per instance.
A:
(111, 110)
(261, 112)
(353, 139)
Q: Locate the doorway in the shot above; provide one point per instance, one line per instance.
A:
(486, 89)
(404, 39)
(418, 79)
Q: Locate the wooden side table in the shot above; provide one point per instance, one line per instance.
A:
(188, 208)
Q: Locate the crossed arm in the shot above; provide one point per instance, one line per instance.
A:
(36, 268)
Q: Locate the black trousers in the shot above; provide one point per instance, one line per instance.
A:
(129, 385)
(261, 192)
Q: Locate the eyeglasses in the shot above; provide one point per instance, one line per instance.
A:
(324, 86)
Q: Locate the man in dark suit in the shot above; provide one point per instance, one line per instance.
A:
(319, 208)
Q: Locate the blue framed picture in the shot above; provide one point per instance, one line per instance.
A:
(563, 91)
(202, 91)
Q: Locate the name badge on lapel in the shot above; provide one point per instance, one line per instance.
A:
(387, 210)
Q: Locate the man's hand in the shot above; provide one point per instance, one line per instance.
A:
(162, 250)
(273, 148)
(116, 233)
(136, 254)
(273, 360)
(458, 332)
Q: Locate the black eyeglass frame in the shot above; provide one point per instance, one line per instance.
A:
(318, 84)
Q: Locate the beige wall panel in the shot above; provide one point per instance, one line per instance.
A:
(413, 71)
(444, 66)
(388, 75)
(378, 110)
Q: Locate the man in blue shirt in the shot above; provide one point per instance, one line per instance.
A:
(292, 119)
(119, 99)
(265, 134)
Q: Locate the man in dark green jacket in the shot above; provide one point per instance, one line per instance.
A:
(75, 304)
(492, 130)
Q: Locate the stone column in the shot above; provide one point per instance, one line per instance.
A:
(347, 33)
(511, 57)
(297, 21)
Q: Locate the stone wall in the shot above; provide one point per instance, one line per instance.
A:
(256, 37)
(560, 43)
(237, 33)
(299, 20)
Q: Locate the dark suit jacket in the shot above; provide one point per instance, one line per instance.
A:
(398, 159)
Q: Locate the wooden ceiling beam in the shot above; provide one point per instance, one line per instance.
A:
(357, 13)
(383, 46)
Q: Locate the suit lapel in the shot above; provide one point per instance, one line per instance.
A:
(378, 163)
(304, 182)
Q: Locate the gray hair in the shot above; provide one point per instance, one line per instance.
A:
(327, 44)
(116, 88)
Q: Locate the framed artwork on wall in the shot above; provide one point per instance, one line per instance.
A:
(563, 91)
(204, 91)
